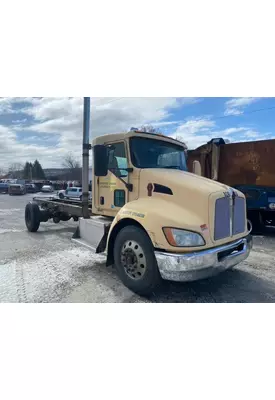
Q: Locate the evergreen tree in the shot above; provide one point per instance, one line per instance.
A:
(27, 172)
(33, 171)
(38, 172)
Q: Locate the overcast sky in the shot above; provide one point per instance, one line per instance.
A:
(47, 128)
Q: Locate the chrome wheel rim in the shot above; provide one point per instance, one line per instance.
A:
(133, 260)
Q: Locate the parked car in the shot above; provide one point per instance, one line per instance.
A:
(47, 189)
(16, 188)
(31, 188)
(72, 193)
(4, 188)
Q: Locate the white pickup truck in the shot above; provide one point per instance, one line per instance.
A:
(72, 193)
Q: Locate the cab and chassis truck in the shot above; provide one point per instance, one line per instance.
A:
(152, 218)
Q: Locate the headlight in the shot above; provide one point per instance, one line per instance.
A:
(181, 238)
(272, 206)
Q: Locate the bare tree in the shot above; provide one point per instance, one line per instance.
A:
(73, 166)
(149, 129)
(70, 162)
(180, 139)
(16, 170)
(2, 171)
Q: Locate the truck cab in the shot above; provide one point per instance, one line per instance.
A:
(150, 217)
(155, 220)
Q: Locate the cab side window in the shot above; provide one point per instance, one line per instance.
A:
(118, 159)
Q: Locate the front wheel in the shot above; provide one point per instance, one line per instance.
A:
(135, 261)
(61, 196)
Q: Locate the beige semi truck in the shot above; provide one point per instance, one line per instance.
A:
(152, 218)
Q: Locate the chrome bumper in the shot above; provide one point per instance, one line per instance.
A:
(202, 264)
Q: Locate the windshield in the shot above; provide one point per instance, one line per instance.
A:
(152, 153)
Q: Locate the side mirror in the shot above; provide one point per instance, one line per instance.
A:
(100, 153)
(197, 168)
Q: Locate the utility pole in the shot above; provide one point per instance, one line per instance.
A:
(85, 158)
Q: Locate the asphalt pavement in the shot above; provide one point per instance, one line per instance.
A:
(48, 267)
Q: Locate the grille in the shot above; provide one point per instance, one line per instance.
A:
(222, 218)
(239, 219)
(223, 227)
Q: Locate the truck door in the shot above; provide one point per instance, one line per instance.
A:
(112, 193)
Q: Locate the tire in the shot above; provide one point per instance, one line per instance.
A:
(61, 196)
(32, 217)
(65, 217)
(256, 221)
(249, 225)
(138, 270)
(80, 198)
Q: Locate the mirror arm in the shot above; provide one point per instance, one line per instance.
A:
(123, 169)
(129, 186)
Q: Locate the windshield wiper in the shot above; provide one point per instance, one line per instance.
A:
(172, 167)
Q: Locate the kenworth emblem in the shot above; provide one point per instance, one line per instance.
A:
(230, 193)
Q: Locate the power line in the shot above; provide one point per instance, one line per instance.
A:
(108, 102)
(245, 113)
(219, 117)
(213, 117)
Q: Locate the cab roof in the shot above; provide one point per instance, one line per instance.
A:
(115, 137)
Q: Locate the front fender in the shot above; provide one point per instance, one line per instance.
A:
(153, 214)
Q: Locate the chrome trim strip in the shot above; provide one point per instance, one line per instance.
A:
(201, 264)
(207, 251)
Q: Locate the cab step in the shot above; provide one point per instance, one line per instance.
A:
(92, 233)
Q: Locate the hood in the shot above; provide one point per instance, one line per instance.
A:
(183, 199)
(179, 181)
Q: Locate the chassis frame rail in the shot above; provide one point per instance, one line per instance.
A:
(55, 205)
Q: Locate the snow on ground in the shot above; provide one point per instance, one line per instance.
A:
(48, 267)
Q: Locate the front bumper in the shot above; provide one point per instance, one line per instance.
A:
(202, 264)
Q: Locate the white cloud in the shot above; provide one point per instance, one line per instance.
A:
(19, 121)
(252, 134)
(230, 131)
(60, 120)
(12, 151)
(244, 134)
(195, 132)
(63, 118)
(236, 106)
(6, 105)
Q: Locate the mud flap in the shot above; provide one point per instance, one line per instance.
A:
(102, 244)
(76, 234)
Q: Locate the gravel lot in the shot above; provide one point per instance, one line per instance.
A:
(48, 267)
